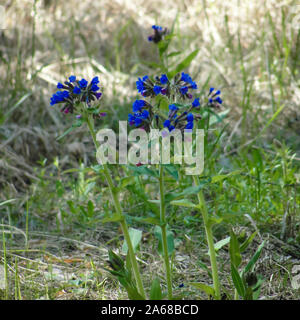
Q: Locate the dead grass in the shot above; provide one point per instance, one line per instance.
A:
(45, 41)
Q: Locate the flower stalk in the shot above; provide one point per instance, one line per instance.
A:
(163, 226)
(117, 205)
(210, 240)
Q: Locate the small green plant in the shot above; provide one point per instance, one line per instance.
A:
(247, 284)
(77, 96)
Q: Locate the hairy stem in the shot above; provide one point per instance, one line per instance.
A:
(115, 198)
(164, 232)
(210, 240)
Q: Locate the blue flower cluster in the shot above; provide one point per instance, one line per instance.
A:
(185, 77)
(76, 91)
(154, 27)
(159, 33)
(180, 116)
(140, 115)
(138, 118)
(183, 121)
(182, 83)
(59, 96)
(141, 84)
(214, 97)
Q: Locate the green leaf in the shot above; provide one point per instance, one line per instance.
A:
(150, 220)
(143, 170)
(172, 170)
(133, 294)
(89, 187)
(170, 240)
(116, 262)
(188, 191)
(112, 218)
(90, 208)
(221, 243)
(97, 168)
(254, 259)
(237, 280)
(75, 125)
(7, 201)
(71, 206)
(154, 201)
(162, 103)
(155, 292)
(234, 250)
(183, 203)
(203, 287)
(126, 181)
(135, 237)
(183, 64)
(247, 242)
(221, 177)
(174, 53)
(213, 220)
(249, 294)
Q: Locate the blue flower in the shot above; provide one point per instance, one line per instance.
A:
(138, 105)
(72, 78)
(190, 117)
(131, 119)
(76, 90)
(214, 97)
(219, 100)
(73, 93)
(94, 87)
(172, 107)
(171, 128)
(194, 85)
(186, 77)
(140, 84)
(190, 125)
(184, 90)
(196, 103)
(157, 89)
(59, 96)
(164, 79)
(167, 123)
(145, 114)
(159, 33)
(157, 27)
(137, 121)
(95, 80)
(83, 83)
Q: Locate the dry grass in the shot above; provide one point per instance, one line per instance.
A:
(248, 48)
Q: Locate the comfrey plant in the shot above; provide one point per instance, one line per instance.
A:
(171, 105)
(77, 96)
(182, 114)
(176, 90)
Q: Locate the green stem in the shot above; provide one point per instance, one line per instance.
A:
(210, 240)
(236, 295)
(115, 198)
(164, 232)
